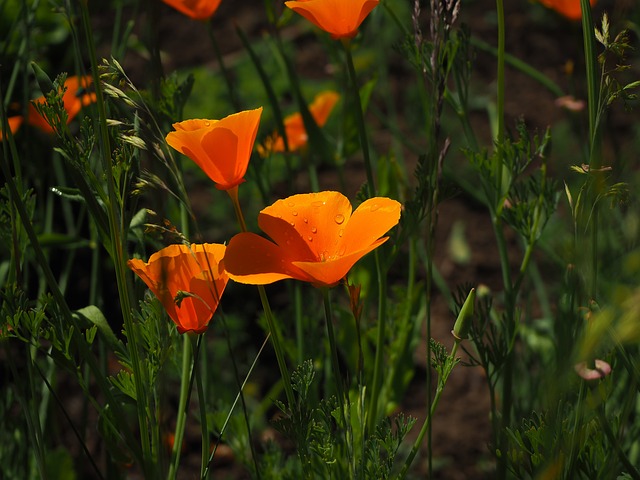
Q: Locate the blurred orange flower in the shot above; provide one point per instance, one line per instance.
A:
(196, 9)
(221, 148)
(317, 239)
(569, 8)
(76, 96)
(340, 18)
(294, 126)
(14, 125)
(188, 281)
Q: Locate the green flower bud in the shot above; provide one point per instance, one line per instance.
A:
(461, 327)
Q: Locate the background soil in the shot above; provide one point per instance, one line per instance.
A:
(461, 429)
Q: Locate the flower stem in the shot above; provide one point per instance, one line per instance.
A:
(337, 376)
(427, 421)
(362, 131)
(181, 418)
(273, 329)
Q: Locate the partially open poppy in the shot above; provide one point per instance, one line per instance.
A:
(317, 239)
(14, 125)
(222, 148)
(188, 281)
(196, 9)
(76, 96)
(297, 137)
(339, 18)
(568, 8)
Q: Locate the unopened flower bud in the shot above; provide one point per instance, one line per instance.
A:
(461, 327)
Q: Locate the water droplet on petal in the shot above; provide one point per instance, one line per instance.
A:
(291, 204)
(339, 218)
(306, 220)
(318, 203)
(342, 250)
(207, 123)
(314, 230)
(310, 238)
(375, 207)
(294, 213)
(341, 232)
(292, 224)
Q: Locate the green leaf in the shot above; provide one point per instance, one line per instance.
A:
(93, 315)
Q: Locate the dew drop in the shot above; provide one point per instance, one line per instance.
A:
(341, 232)
(207, 123)
(339, 218)
(306, 220)
(294, 213)
(314, 230)
(342, 250)
(375, 207)
(318, 203)
(292, 224)
(310, 238)
(291, 204)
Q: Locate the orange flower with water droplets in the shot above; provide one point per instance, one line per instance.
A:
(76, 96)
(188, 281)
(196, 9)
(568, 8)
(320, 109)
(339, 18)
(14, 125)
(221, 148)
(316, 239)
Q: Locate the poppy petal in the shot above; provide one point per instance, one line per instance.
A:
(315, 220)
(329, 273)
(340, 18)
(253, 259)
(372, 219)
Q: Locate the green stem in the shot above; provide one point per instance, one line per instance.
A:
(591, 63)
(235, 402)
(181, 417)
(117, 242)
(337, 376)
(202, 404)
(233, 97)
(362, 131)
(427, 421)
(273, 329)
(380, 340)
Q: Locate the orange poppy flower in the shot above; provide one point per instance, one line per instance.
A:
(221, 148)
(188, 280)
(196, 9)
(340, 18)
(569, 8)
(317, 239)
(75, 97)
(14, 125)
(294, 126)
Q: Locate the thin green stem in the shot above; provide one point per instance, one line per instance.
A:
(427, 421)
(233, 96)
(117, 252)
(181, 417)
(362, 131)
(202, 404)
(380, 341)
(337, 377)
(273, 329)
(233, 406)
